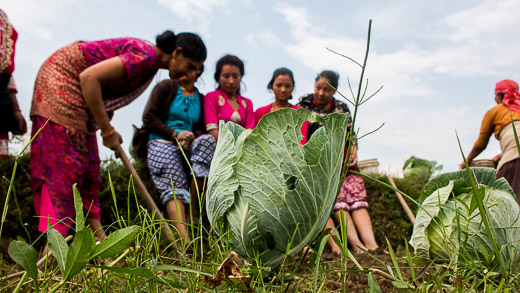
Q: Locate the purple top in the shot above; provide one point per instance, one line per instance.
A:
(216, 108)
(139, 58)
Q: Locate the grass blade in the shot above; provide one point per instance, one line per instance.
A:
(58, 247)
(25, 255)
(116, 242)
(78, 206)
(79, 252)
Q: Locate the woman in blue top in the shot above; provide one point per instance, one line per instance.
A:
(175, 113)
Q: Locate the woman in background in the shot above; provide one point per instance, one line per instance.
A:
(11, 118)
(175, 113)
(282, 85)
(352, 198)
(226, 103)
(77, 89)
(498, 121)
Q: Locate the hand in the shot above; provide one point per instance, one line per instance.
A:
(463, 166)
(352, 160)
(113, 142)
(185, 145)
(185, 139)
(186, 135)
(21, 124)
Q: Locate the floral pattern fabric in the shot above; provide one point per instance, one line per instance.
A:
(52, 175)
(217, 108)
(57, 91)
(352, 195)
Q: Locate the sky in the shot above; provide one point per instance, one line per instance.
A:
(437, 62)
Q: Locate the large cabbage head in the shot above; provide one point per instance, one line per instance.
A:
(267, 190)
(449, 226)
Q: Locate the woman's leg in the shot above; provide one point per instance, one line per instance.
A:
(96, 226)
(166, 170)
(333, 246)
(196, 192)
(177, 213)
(352, 233)
(201, 155)
(361, 219)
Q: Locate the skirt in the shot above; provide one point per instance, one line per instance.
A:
(61, 158)
(352, 195)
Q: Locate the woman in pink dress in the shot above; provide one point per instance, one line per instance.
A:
(282, 85)
(76, 91)
(226, 103)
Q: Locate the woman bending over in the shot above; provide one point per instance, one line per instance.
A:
(77, 89)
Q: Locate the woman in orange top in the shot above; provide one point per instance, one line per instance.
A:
(498, 121)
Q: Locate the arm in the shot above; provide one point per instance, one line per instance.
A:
(155, 113)
(90, 81)
(22, 124)
(258, 116)
(353, 155)
(250, 115)
(214, 133)
(486, 130)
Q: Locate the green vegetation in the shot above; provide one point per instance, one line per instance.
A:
(269, 218)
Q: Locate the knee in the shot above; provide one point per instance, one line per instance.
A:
(207, 139)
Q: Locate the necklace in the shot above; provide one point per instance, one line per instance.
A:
(192, 90)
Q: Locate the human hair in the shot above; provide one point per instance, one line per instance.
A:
(278, 72)
(331, 76)
(228, 60)
(192, 45)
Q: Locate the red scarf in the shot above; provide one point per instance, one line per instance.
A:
(511, 95)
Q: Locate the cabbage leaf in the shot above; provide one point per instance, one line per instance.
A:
(267, 190)
(449, 226)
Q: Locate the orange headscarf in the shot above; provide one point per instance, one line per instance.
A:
(511, 95)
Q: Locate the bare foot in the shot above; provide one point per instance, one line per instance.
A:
(372, 248)
(336, 251)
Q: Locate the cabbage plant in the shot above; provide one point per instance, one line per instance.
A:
(273, 195)
(450, 226)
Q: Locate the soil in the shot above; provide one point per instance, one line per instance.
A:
(357, 280)
(330, 267)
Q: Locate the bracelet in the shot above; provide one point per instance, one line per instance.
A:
(109, 133)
